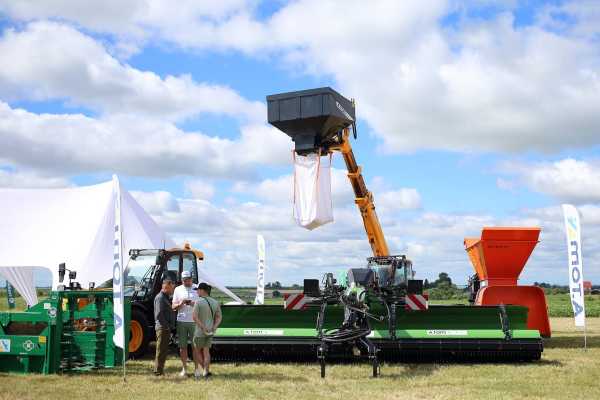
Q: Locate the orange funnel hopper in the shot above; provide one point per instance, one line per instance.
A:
(498, 258)
(501, 253)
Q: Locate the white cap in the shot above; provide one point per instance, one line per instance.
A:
(186, 275)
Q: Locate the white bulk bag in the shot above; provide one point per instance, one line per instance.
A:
(312, 191)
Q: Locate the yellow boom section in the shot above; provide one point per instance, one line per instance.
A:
(363, 198)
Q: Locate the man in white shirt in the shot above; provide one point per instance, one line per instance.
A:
(184, 299)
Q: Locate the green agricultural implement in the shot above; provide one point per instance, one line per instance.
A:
(71, 330)
(335, 327)
(451, 333)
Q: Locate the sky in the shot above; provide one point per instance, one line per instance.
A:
(470, 114)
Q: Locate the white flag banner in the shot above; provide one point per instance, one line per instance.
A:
(118, 296)
(573, 232)
(312, 191)
(260, 281)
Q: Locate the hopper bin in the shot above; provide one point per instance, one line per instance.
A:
(498, 257)
(314, 118)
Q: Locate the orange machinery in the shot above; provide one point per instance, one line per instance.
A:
(498, 258)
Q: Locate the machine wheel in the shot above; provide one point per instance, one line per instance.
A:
(139, 336)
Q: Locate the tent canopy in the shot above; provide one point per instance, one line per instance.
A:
(45, 227)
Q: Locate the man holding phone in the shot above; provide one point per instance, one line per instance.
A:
(184, 299)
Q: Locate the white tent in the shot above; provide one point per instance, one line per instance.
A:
(45, 227)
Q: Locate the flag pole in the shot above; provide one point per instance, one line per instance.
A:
(123, 352)
(584, 324)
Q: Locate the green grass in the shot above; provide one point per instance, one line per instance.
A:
(565, 372)
(559, 305)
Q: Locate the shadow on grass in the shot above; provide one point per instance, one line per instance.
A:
(240, 376)
(552, 363)
(571, 342)
(410, 370)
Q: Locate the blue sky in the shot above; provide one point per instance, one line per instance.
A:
(470, 114)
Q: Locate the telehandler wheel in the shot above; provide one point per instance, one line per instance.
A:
(139, 336)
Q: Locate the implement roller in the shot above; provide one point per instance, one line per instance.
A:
(379, 312)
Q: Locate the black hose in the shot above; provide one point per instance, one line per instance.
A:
(344, 335)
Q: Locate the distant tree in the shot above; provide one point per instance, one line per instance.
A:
(296, 286)
(443, 277)
(273, 285)
(276, 294)
(426, 284)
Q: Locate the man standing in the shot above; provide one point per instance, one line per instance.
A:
(207, 316)
(163, 321)
(184, 299)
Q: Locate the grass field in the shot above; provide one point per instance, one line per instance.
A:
(565, 372)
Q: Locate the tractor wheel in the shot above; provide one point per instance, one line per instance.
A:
(139, 336)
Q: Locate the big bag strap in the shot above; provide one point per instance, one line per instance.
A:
(212, 313)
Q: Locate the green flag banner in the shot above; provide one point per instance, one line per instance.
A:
(10, 295)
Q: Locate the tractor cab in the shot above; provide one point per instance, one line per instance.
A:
(147, 269)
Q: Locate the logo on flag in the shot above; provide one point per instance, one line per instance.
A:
(260, 283)
(573, 231)
(118, 297)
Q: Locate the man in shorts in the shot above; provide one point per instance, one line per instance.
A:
(184, 299)
(207, 317)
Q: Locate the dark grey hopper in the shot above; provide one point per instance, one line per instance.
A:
(313, 118)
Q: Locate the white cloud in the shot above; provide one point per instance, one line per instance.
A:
(133, 20)
(570, 180)
(48, 60)
(227, 232)
(156, 203)
(200, 189)
(488, 87)
(28, 179)
(578, 18)
(402, 199)
(132, 145)
(281, 190)
(434, 241)
(485, 85)
(135, 131)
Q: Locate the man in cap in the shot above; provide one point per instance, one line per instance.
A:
(163, 321)
(207, 316)
(184, 299)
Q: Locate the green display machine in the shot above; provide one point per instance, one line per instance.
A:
(71, 330)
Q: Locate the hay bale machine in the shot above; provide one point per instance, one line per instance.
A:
(380, 312)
